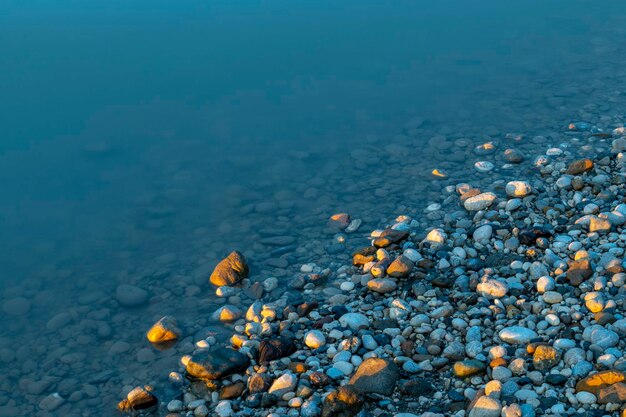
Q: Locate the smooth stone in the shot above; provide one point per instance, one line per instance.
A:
(486, 407)
(518, 189)
(284, 384)
(230, 270)
(517, 335)
(354, 321)
(382, 285)
(216, 363)
(131, 296)
(17, 306)
(164, 330)
(314, 339)
(375, 375)
(480, 201)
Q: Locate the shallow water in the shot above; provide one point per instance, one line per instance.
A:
(141, 143)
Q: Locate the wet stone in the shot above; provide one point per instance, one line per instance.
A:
(344, 402)
(131, 296)
(275, 348)
(230, 270)
(579, 166)
(164, 330)
(216, 363)
(140, 398)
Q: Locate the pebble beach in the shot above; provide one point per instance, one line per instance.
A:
(505, 298)
(423, 218)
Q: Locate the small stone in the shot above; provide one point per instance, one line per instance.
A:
(131, 296)
(518, 189)
(463, 369)
(586, 397)
(275, 348)
(16, 306)
(552, 297)
(401, 267)
(164, 330)
(230, 270)
(579, 271)
(354, 321)
(140, 398)
(345, 402)
(492, 288)
(314, 339)
(284, 384)
(486, 407)
(545, 357)
(579, 166)
(598, 224)
(339, 220)
(51, 402)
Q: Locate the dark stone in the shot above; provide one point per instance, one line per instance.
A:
(277, 348)
(345, 402)
(529, 235)
(442, 281)
(230, 270)
(556, 379)
(420, 387)
(216, 363)
(375, 375)
(305, 308)
(319, 379)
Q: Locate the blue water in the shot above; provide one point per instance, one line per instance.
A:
(133, 130)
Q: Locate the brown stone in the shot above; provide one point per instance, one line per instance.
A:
(230, 270)
(579, 271)
(259, 383)
(140, 398)
(615, 394)
(339, 220)
(593, 383)
(319, 379)
(163, 331)
(390, 236)
(228, 392)
(401, 267)
(579, 166)
(297, 367)
(472, 192)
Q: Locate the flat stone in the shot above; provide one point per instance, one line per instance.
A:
(469, 367)
(230, 270)
(479, 202)
(375, 375)
(216, 363)
(517, 335)
(390, 236)
(382, 285)
(131, 296)
(354, 321)
(17, 306)
(579, 166)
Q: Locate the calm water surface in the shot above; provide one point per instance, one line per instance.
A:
(142, 141)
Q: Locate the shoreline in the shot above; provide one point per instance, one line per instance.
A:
(502, 305)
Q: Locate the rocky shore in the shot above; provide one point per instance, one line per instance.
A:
(505, 299)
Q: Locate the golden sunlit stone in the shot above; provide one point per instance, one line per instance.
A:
(164, 330)
(593, 383)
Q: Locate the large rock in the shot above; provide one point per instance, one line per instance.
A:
(163, 331)
(345, 402)
(375, 375)
(594, 383)
(140, 398)
(216, 363)
(230, 270)
(276, 348)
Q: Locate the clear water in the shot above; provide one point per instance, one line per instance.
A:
(141, 140)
